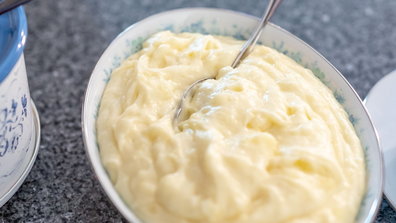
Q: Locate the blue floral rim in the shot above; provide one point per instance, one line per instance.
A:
(13, 27)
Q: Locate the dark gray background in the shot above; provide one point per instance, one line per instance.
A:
(66, 38)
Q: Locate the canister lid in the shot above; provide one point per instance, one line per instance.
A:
(13, 33)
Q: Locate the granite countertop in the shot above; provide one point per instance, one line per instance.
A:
(66, 38)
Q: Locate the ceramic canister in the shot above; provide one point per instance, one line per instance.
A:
(16, 119)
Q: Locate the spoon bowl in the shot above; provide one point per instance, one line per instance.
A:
(246, 50)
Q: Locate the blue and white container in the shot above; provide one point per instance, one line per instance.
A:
(18, 121)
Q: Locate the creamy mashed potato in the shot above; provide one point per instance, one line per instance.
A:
(266, 142)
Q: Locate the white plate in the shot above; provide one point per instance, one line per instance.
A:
(25, 172)
(381, 103)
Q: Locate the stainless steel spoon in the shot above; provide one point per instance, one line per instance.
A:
(247, 49)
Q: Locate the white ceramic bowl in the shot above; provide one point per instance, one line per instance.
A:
(17, 129)
(240, 26)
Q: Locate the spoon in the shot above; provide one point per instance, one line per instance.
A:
(246, 50)
(8, 5)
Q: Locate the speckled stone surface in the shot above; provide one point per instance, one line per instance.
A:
(66, 38)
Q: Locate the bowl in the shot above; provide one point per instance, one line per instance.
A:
(17, 120)
(240, 26)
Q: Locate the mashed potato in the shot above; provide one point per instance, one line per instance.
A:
(266, 142)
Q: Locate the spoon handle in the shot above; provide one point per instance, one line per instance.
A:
(7, 5)
(272, 6)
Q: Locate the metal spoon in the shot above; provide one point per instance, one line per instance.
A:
(247, 49)
(7, 5)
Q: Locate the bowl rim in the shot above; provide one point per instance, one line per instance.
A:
(372, 214)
